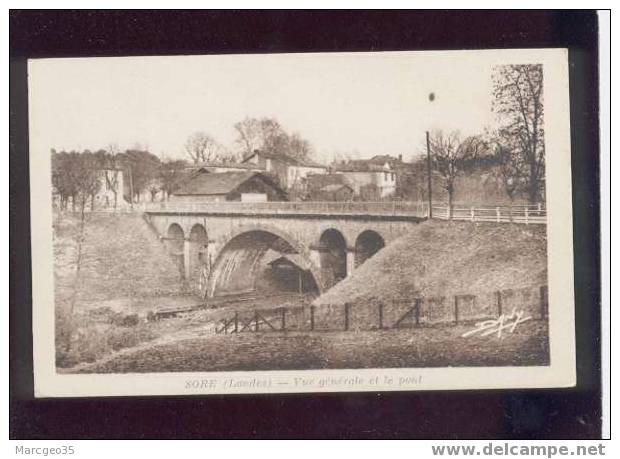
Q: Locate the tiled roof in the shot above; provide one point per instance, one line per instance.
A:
(216, 183)
(244, 166)
(286, 159)
(360, 165)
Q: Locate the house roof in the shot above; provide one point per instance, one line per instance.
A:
(243, 166)
(335, 187)
(361, 165)
(212, 183)
(293, 259)
(286, 159)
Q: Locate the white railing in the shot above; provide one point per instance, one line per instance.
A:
(527, 214)
(387, 208)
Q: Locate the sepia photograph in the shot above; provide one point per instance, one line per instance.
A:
(301, 222)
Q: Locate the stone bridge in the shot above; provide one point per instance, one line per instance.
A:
(224, 247)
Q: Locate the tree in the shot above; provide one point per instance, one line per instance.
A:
(170, 173)
(201, 148)
(87, 179)
(266, 134)
(299, 147)
(109, 162)
(510, 171)
(518, 103)
(451, 156)
(142, 167)
(64, 171)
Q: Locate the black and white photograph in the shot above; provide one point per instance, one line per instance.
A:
(231, 215)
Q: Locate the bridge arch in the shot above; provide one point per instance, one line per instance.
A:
(367, 244)
(236, 266)
(333, 255)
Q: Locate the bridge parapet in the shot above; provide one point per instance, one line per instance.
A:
(378, 209)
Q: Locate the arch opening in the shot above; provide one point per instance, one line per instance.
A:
(367, 244)
(175, 239)
(333, 255)
(264, 263)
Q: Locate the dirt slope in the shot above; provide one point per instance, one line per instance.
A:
(449, 258)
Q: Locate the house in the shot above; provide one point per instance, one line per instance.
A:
(290, 171)
(369, 179)
(247, 186)
(333, 192)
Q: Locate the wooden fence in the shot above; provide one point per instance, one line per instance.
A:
(399, 313)
(527, 214)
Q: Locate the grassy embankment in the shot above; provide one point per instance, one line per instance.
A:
(124, 271)
(450, 258)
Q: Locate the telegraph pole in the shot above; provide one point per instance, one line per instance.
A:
(431, 98)
(428, 175)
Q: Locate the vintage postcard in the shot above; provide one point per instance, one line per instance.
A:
(301, 223)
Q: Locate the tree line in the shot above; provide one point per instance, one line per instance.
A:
(515, 149)
(77, 177)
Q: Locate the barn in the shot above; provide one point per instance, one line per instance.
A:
(246, 186)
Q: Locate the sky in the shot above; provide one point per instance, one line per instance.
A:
(355, 104)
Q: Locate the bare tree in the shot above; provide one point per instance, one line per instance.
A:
(112, 171)
(266, 134)
(451, 156)
(170, 174)
(257, 134)
(201, 148)
(518, 102)
(299, 147)
(510, 171)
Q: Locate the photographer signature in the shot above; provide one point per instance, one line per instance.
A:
(503, 322)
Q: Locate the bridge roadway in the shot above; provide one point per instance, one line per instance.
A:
(223, 247)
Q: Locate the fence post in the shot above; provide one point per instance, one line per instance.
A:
(539, 208)
(283, 319)
(346, 316)
(236, 329)
(526, 215)
(380, 315)
(497, 214)
(311, 317)
(417, 311)
(456, 309)
(256, 322)
(498, 294)
(471, 212)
